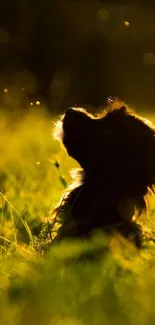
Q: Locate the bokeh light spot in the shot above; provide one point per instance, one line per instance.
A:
(6, 90)
(31, 104)
(38, 162)
(103, 15)
(37, 102)
(149, 58)
(126, 23)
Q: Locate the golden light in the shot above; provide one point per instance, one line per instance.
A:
(37, 102)
(6, 90)
(31, 103)
(38, 163)
(126, 23)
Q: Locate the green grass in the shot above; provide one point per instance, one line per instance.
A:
(31, 181)
(58, 288)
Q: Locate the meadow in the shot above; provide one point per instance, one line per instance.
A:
(45, 287)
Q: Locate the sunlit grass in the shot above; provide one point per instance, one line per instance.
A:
(32, 175)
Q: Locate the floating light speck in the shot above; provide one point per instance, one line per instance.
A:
(38, 162)
(37, 102)
(22, 89)
(126, 23)
(31, 103)
(6, 90)
(149, 58)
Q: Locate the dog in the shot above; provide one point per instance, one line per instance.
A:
(116, 152)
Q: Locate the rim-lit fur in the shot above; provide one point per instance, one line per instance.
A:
(116, 152)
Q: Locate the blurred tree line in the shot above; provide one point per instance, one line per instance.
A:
(70, 52)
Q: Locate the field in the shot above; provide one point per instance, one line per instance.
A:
(54, 288)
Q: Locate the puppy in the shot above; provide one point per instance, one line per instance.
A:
(116, 152)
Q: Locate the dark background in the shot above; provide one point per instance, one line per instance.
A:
(70, 52)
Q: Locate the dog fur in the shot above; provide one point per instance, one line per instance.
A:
(116, 152)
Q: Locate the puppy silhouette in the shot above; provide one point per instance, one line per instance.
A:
(116, 152)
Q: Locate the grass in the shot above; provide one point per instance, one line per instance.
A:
(58, 288)
(30, 178)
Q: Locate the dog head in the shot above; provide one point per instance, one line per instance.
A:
(116, 147)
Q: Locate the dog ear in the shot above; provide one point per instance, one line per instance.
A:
(118, 112)
(122, 110)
